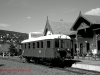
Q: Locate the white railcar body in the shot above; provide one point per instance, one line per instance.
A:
(54, 36)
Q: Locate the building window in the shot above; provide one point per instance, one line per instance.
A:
(98, 45)
(33, 45)
(29, 45)
(41, 44)
(56, 43)
(37, 44)
(48, 44)
(88, 47)
(75, 47)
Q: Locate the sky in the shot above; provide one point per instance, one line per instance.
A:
(30, 15)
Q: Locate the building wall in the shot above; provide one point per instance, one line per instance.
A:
(91, 41)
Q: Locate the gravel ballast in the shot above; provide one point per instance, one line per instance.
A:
(8, 67)
(16, 67)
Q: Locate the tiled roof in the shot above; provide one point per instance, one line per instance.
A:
(92, 18)
(61, 27)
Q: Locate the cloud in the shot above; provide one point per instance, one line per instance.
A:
(4, 25)
(28, 17)
(93, 12)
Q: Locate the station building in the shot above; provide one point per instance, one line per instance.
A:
(84, 33)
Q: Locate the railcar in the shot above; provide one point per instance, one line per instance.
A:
(47, 48)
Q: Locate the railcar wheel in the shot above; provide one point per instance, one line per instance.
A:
(61, 62)
(27, 59)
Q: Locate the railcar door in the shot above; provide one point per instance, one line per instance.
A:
(49, 49)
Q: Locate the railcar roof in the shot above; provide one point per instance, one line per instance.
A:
(55, 36)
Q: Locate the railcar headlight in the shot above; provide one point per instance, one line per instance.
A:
(58, 49)
(68, 49)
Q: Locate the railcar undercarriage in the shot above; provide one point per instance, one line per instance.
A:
(46, 61)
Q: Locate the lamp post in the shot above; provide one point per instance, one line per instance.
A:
(96, 44)
(77, 49)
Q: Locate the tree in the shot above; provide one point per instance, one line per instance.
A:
(12, 50)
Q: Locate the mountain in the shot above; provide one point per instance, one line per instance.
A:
(12, 36)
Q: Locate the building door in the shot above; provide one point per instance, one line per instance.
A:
(75, 46)
(98, 45)
(81, 48)
(72, 51)
(87, 47)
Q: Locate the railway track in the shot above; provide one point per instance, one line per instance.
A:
(69, 70)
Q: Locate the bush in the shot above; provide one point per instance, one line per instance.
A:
(20, 52)
(13, 50)
(98, 55)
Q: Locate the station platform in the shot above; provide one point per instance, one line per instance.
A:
(87, 63)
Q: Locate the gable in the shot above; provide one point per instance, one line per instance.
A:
(49, 33)
(82, 26)
(47, 30)
(81, 23)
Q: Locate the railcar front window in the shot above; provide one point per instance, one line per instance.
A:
(25, 45)
(48, 44)
(62, 43)
(57, 43)
(29, 45)
(41, 44)
(33, 45)
(37, 44)
(21, 45)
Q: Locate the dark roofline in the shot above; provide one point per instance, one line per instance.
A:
(87, 20)
(76, 20)
(80, 15)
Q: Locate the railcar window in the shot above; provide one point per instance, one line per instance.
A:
(48, 44)
(29, 45)
(25, 45)
(56, 43)
(33, 45)
(41, 44)
(37, 44)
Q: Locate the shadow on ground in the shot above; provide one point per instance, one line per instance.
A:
(1, 64)
(66, 63)
(69, 63)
